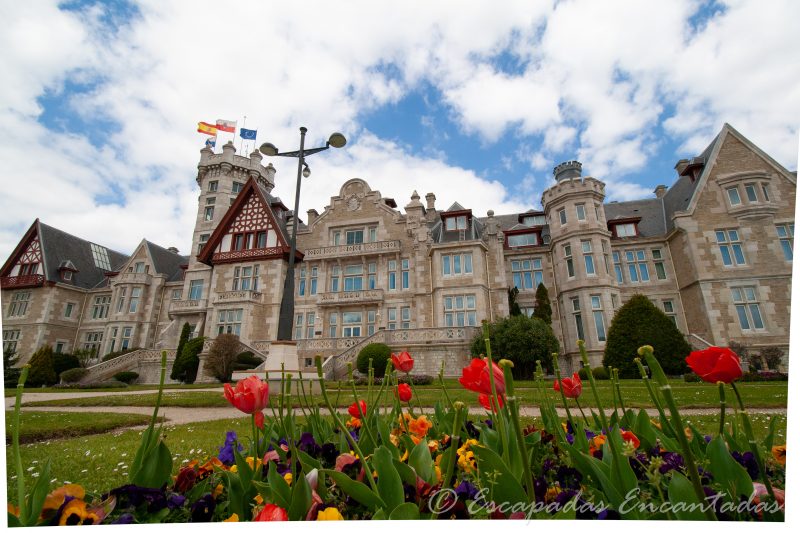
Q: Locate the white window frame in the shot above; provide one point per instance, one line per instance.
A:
(786, 237)
(460, 310)
(734, 198)
(599, 317)
(526, 274)
(730, 247)
(748, 309)
(230, 321)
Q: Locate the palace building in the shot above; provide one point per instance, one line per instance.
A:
(714, 251)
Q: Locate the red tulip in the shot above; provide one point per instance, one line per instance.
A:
(483, 399)
(357, 410)
(260, 420)
(271, 513)
(628, 436)
(403, 362)
(475, 377)
(573, 387)
(250, 396)
(404, 392)
(715, 364)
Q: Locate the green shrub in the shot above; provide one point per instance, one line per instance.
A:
(379, 353)
(113, 355)
(186, 332)
(126, 377)
(416, 379)
(583, 374)
(246, 361)
(523, 341)
(10, 373)
(637, 323)
(600, 373)
(186, 363)
(73, 375)
(64, 361)
(691, 377)
(765, 376)
(42, 371)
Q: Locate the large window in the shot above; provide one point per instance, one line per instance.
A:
(136, 294)
(523, 239)
(354, 236)
(637, 266)
(10, 339)
(100, 307)
(229, 321)
(19, 304)
(460, 310)
(455, 223)
(599, 319)
(576, 315)
(457, 264)
(93, 340)
(351, 324)
(534, 220)
(353, 278)
(398, 317)
(568, 260)
(617, 267)
(196, 289)
(658, 263)
(246, 278)
(730, 247)
(527, 273)
(747, 308)
(588, 258)
(625, 230)
(786, 235)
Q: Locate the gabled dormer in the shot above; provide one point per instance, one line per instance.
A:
(66, 269)
(456, 218)
(522, 236)
(621, 228)
(250, 230)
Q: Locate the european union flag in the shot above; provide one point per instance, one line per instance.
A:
(249, 135)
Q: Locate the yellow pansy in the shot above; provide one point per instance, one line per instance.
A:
(331, 513)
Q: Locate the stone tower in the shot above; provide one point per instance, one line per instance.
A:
(581, 247)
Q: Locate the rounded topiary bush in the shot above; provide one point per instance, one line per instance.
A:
(246, 361)
(73, 375)
(523, 341)
(600, 373)
(126, 377)
(636, 324)
(64, 361)
(379, 353)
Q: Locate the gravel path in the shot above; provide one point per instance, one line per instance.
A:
(186, 415)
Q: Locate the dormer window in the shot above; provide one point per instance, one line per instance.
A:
(534, 220)
(65, 270)
(523, 239)
(622, 228)
(456, 223)
(66, 275)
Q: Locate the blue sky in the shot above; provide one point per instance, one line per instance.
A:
(467, 101)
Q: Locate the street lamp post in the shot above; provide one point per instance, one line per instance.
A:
(337, 140)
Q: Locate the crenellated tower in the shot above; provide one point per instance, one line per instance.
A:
(581, 248)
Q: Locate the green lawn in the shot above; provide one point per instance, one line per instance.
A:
(13, 391)
(100, 462)
(41, 425)
(698, 395)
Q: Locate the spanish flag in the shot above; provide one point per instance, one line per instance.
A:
(205, 127)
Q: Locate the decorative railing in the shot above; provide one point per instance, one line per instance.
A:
(140, 278)
(18, 282)
(239, 296)
(123, 362)
(187, 306)
(339, 298)
(253, 253)
(366, 248)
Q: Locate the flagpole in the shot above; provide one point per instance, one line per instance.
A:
(241, 139)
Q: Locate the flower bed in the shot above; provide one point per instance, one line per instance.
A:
(387, 459)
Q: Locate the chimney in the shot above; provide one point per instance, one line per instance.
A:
(430, 199)
(567, 170)
(660, 191)
(312, 216)
(681, 165)
(173, 249)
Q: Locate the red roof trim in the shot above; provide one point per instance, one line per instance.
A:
(20, 249)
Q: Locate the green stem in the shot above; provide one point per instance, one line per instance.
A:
(490, 369)
(619, 390)
(748, 431)
(511, 402)
(665, 426)
(722, 403)
(363, 417)
(444, 389)
(343, 428)
(557, 371)
(455, 440)
(15, 435)
(585, 420)
(677, 424)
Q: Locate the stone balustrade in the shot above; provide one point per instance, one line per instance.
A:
(139, 278)
(239, 297)
(345, 250)
(183, 307)
(341, 298)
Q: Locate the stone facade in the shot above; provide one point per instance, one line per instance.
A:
(714, 252)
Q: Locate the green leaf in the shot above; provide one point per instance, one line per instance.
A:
(600, 473)
(726, 471)
(769, 440)
(264, 490)
(301, 498)
(379, 515)
(389, 485)
(13, 521)
(308, 462)
(681, 492)
(422, 463)
(405, 511)
(643, 428)
(407, 474)
(38, 494)
(493, 473)
(355, 489)
(156, 470)
(281, 494)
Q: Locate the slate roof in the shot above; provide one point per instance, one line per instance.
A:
(680, 194)
(59, 246)
(166, 262)
(651, 211)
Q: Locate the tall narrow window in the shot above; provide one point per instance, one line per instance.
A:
(196, 289)
(405, 274)
(391, 317)
(213, 186)
(617, 267)
(605, 255)
(747, 308)
(68, 310)
(658, 263)
(202, 240)
(121, 301)
(568, 259)
(136, 294)
(562, 216)
(10, 339)
(298, 326)
(372, 275)
(392, 271)
(310, 325)
(580, 211)
(405, 317)
(599, 320)
(750, 192)
(373, 234)
(209, 213)
(733, 196)
(371, 322)
(765, 190)
(576, 314)
(669, 310)
(127, 334)
(236, 187)
(730, 248)
(588, 258)
(336, 272)
(333, 320)
(301, 286)
(314, 274)
(786, 236)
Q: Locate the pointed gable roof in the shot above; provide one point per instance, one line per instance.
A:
(89, 260)
(166, 261)
(252, 197)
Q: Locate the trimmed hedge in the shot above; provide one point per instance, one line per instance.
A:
(73, 375)
(126, 377)
(416, 379)
(379, 353)
(600, 373)
(94, 385)
(64, 361)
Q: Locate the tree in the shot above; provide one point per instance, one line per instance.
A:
(637, 323)
(222, 357)
(42, 371)
(185, 365)
(10, 373)
(522, 340)
(185, 334)
(772, 355)
(513, 306)
(541, 308)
